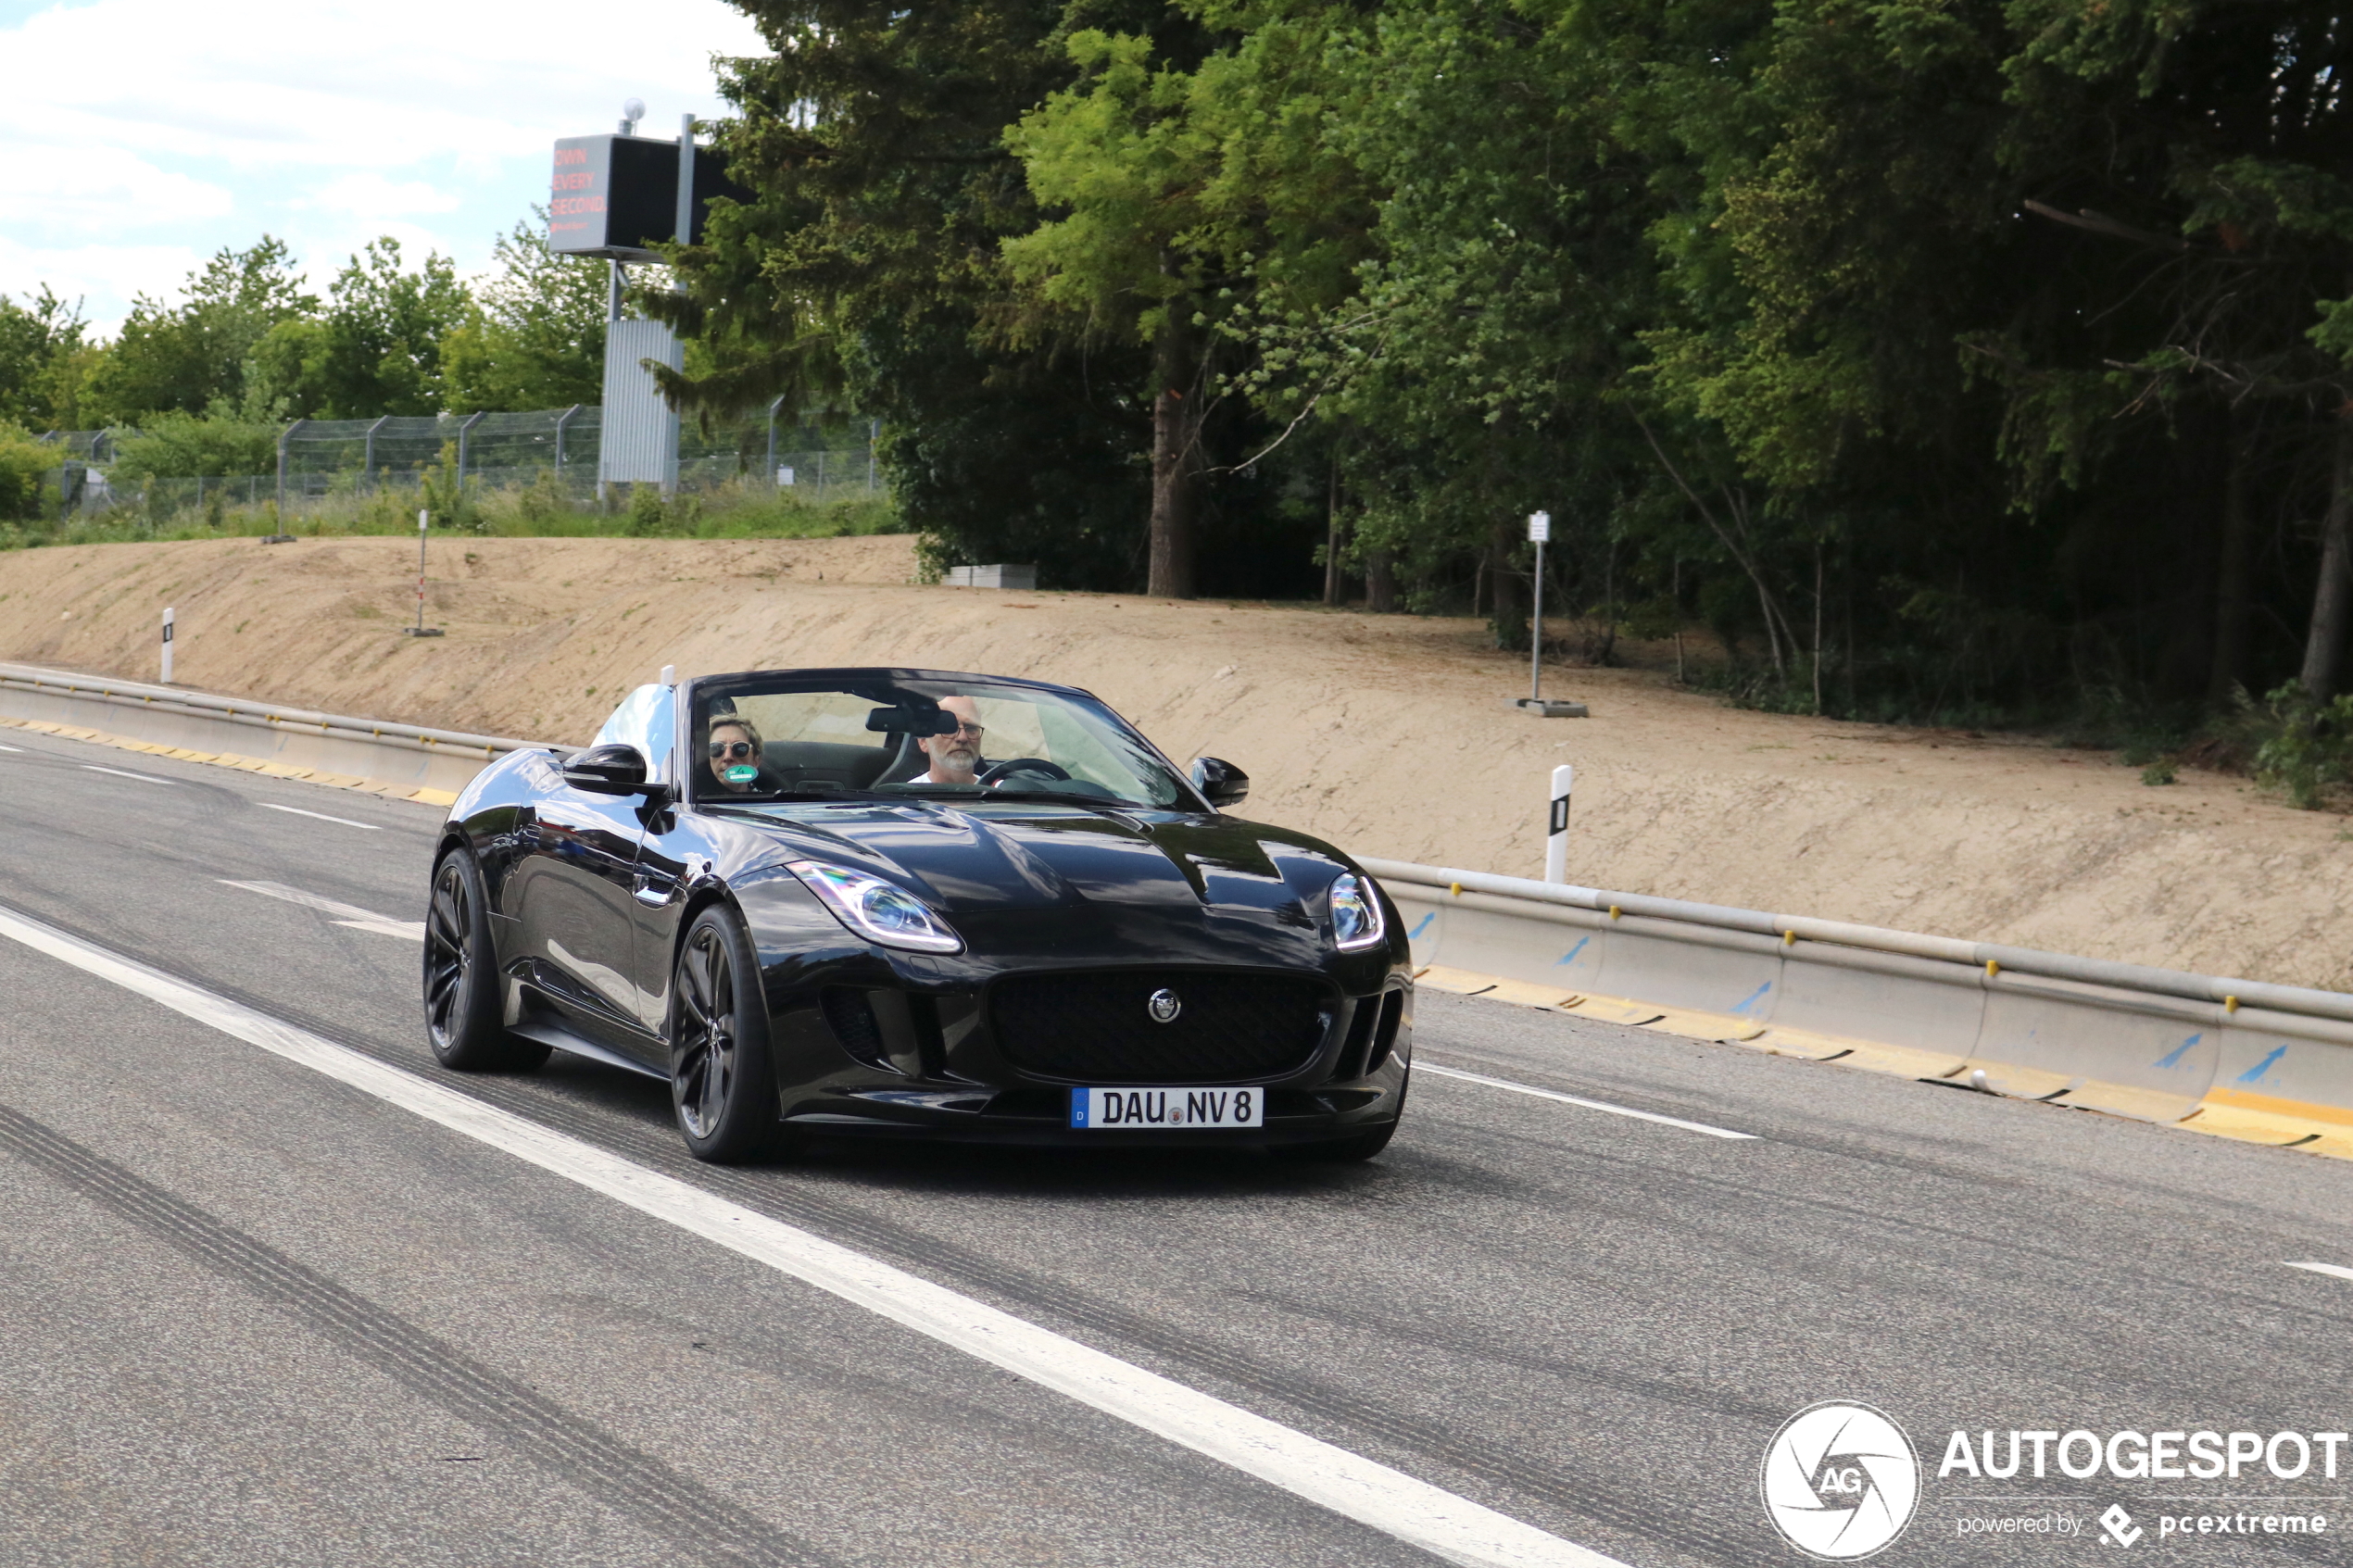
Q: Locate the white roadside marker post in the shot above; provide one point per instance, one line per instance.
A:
(1556, 825)
(420, 629)
(167, 645)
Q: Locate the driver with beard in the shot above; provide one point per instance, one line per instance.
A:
(955, 758)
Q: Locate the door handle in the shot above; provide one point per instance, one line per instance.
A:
(651, 896)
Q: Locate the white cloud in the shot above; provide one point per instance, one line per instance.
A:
(365, 194)
(99, 274)
(358, 85)
(206, 125)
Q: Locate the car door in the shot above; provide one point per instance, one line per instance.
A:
(674, 851)
(579, 906)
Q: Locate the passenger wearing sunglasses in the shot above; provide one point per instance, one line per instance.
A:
(734, 754)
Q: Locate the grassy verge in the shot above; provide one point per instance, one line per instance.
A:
(733, 510)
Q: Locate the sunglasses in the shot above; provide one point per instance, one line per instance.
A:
(738, 749)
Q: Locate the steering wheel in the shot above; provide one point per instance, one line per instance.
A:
(1024, 765)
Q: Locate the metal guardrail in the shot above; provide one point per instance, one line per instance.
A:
(2247, 1058)
(262, 715)
(2232, 993)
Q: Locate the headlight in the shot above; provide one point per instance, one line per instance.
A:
(878, 911)
(1356, 920)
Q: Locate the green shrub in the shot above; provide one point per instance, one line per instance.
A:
(176, 446)
(23, 461)
(2309, 752)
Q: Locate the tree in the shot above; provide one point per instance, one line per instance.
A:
(859, 274)
(534, 336)
(41, 345)
(191, 354)
(1185, 180)
(375, 350)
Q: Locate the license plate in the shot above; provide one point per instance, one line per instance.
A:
(1159, 1110)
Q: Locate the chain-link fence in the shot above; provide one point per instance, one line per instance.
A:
(552, 452)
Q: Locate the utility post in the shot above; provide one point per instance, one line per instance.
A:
(1540, 529)
(420, 629)
(1539, 532)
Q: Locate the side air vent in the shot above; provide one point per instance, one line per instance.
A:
(1363, 1013)
(1392, 1011)
(851, 1019)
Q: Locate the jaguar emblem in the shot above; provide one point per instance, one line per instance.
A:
(1165, 1004)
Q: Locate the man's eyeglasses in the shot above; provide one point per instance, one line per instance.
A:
(736, 749)
(973, 731)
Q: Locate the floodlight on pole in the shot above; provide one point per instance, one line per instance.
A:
(632, 111)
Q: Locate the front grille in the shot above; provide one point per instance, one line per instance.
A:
(1097, 1027)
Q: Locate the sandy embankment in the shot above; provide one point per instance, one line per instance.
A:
(1385, 733)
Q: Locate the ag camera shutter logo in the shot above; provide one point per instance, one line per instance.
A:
(1840, 1480)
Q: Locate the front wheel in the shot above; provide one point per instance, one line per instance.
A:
(721, 1080)
(462, 1018)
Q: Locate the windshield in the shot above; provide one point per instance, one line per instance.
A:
(798, 737)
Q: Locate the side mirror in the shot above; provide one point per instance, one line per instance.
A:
(1220, 782)
(614, 768)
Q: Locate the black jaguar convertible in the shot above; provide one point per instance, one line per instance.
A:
(909, 902)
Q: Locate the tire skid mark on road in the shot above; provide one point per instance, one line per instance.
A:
(558, 1440)
(653, 1142)
(1453, 1528)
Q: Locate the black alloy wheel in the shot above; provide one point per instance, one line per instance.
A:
(462, 977)
(721, 1078)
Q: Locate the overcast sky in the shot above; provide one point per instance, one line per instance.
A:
(139, 136)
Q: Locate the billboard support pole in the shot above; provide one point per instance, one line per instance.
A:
(682, 234)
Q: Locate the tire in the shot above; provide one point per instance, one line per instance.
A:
(723, 1081)
(462, 1014)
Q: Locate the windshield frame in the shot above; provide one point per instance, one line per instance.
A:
(887, 685)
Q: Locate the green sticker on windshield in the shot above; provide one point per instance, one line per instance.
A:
(742, 772)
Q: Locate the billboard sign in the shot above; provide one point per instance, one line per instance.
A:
(617, 197)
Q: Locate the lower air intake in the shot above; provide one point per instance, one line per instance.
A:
(1099, 1026)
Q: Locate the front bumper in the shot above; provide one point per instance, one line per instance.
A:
(1037, 1116)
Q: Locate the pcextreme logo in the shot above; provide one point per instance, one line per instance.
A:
(1840, 1480)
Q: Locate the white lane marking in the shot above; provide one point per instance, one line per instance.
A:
(1423, 1065)
(12, 749)
(142, 778)
(298, 811)
(2324, 1269)
(1453, 1528)
(346, 914)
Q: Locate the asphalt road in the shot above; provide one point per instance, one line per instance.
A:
(253, 1315)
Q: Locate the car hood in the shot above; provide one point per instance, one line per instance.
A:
(1019, 875)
